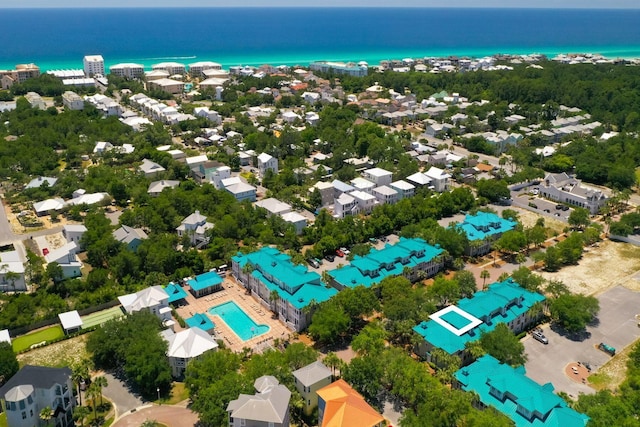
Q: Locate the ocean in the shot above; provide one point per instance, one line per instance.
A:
(60, 38)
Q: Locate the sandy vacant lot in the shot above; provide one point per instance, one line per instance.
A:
(601, 267)
(63, 353)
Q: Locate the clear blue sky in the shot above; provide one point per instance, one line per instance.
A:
(582, 4)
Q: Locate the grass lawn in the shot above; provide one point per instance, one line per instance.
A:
(25, 341)
(178, 394)
(3, 420)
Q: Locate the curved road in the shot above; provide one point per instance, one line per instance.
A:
(173, 416)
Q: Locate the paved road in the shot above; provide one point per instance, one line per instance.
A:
(123, 400)
(6, 234)
(173, 416)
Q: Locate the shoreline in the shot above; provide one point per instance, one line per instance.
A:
(373, 58)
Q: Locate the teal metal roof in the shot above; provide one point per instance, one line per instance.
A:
(389, 261)
(484, 225)
(175, 292)
(205, 280)
(502, 302)
(511, 392)
(201, 321)
(294, 283)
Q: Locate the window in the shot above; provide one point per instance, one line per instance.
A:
(24, 415)
(22, 405)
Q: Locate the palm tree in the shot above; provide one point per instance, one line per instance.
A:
(80, 413)
(92, 393)
(100, 383)
(332, 361)
(273, 299)
(46, 415)
(484, 275)
(79, 373)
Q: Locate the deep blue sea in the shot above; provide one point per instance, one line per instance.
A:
(59, 38)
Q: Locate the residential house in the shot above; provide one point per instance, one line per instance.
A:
(47, 206)
(186, 345)
(212, 172)
(326, 192)
(72, 101)
(363, 185)
(102, 147)
(267, 273)
(132, 237)
(195, 226)
(365, 201)
(298, 221)
(482, 229)
(511, 392)
(205, 284)
(419, 179)
(40, 181)
(345, 205)
(308, 380)
(339, 405)
(439, 179)
(564, 188)
(269, 407)
(451, 328)
(153, 299)
(12, 278)
(267, 162)
(195, 161)
(415, 259)
(273, 206)
(210, 115)
(74, 232)
(157, 187)
(385, 195)
(378, 175)
(241, 190)
(403, 188)
(66, 258)
(438, 129)
(34, 388)
(5, 337)
(150, 168)
(35, 100)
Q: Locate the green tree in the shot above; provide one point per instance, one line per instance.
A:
(527, 279)
(370, 340)
(100, 382)
(484, 275)
(329, 323)
(80, 413)
(492, 189)
(574, 312)
(8, 362)
(502, 344)
(579, 218)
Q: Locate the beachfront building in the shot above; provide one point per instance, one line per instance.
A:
(308, 380)
(269, 407)
(174, 87)
(21, 73)
(451, 328)
(567, 189)
(93, 65)
(339, 405)
(482, 229)
(197, 68)
(511, 392)
(195, 226)
(72, 101)
(205, 284)
(173, 68)
(127, 70)
(34, 388)
(186, 345)
(279, 284)
(153, 299)
(349, 69)
(414, 259)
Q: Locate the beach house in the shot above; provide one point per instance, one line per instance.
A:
(153, 299)
(186, 345)
(195, 226)
(339, 405)
(269, 407)
(308, 380)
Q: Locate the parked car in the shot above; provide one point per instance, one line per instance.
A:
(340, 253)
(533, 205)
(313, 263)
(318, 260)
(559, 207)
(607, 349)
(539, 336)
(329, 257)
(45, 251)
(345, 251)
(565, 208)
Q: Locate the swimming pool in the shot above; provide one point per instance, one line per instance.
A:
(238, 321)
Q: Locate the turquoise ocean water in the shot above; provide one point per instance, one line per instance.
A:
(59, 38)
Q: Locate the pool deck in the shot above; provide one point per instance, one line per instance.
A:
(252, 307)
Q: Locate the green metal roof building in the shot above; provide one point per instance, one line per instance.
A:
(451, 328)
(408, 257)
(175, 292)
(205, 284)
(511, 392)
(296, 286)
(484, 227)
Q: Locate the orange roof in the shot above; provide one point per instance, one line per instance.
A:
(484, 167)
(345, 407)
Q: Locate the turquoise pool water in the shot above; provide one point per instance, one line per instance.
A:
(238, 321)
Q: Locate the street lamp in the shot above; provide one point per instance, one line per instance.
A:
(158, 390)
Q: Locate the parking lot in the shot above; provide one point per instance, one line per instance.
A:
(331, 265)
(526, 199)
(617, 327)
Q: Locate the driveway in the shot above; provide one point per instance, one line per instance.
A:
(172, 416)
(118, 392)
(617, 327)
(6, 234)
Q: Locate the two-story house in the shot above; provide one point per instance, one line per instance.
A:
(308, 380)
(269, 407)
(185, 346)
(153, 299)
(195, 226)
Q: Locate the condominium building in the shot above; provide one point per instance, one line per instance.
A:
(93, 65)
(21, 73)
(197, 68)
(173, 68)
(482, 229)
(340, 68)
(268, 272)
(127, 70)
